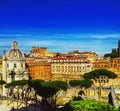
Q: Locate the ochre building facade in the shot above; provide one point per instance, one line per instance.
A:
(38, 63)
(68, 68)
(38, 69)
(109, 64)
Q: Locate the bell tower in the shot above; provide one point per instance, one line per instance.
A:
(119, 48)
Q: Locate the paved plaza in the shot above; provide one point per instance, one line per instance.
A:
(4, 108)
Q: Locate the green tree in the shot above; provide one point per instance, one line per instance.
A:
(107, 55)
(85, 83)
(114, 50)
(113, 54)
(60, 86)
(2, 82)
(36, 85)
(90, 105)
(48, 89)
(42, 88)
(75, 83)
(97, 74)
(19, 85)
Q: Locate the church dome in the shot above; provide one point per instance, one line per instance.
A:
(15, 53)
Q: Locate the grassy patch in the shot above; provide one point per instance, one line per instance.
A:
(89, 105)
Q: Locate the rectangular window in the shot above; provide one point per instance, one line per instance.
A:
(7, 65)
(22, 65)
(14, 65)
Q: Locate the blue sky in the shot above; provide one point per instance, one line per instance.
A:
(60, 25)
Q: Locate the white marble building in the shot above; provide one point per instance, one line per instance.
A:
(14, 67)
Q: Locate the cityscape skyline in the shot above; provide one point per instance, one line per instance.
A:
(61, 26)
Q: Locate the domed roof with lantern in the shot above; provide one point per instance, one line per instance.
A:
(15, 53)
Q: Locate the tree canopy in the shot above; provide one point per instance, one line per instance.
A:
(2, 82)
(113, 54)
(48, 89)
(74, 83)
(16, 83)
(86, 83)
(99, 72)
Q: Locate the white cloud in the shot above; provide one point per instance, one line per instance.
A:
(100, 43)
(37, 43)
(67, 35)
(97, 36)
(103, 36)
(5, 43)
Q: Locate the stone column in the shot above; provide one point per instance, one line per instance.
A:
(4, 65)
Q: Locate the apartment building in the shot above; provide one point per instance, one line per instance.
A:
(69, 67)
(40, 52)
(92, 56)
(101, 63)
(38, 63)
(38, 68)
(109, 64)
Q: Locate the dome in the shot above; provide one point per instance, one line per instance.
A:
(15, 53)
